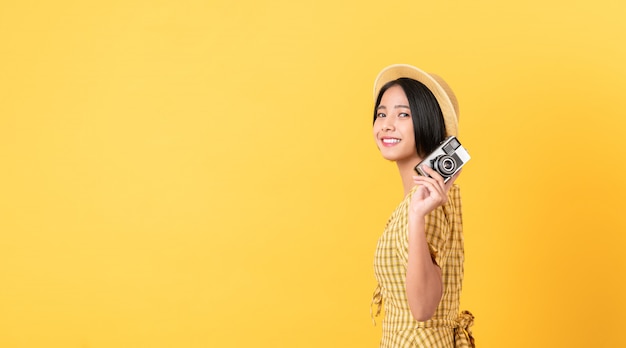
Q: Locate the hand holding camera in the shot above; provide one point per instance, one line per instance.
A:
(431, 193)
(437, 174)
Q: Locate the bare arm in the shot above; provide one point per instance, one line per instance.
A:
(424, 286)
(423, 278)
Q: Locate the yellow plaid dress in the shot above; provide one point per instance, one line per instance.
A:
(444, 232)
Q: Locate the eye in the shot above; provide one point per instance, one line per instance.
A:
(404, 114)
(380, 115)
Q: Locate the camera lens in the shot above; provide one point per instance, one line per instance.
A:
(445, 165)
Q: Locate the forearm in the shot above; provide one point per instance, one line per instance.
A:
(423, 279)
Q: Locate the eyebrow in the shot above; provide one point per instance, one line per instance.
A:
(395, 107)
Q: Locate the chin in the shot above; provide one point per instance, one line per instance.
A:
(395, 157)
(403, 161)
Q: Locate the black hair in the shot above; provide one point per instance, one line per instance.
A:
(428, 124)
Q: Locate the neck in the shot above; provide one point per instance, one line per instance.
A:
(407, 171)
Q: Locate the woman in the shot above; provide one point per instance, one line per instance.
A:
(419, 258)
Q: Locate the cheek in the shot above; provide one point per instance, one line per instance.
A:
(375, 136)
(409, 133)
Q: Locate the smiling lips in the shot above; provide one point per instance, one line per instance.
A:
(390, 141)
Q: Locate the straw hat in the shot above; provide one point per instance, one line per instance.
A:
(444, 95)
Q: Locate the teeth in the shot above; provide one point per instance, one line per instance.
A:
(391, 141)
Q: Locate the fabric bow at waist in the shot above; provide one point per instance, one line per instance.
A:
(463, 334)
(377, 300)
(462, 331)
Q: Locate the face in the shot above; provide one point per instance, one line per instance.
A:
(393, 128)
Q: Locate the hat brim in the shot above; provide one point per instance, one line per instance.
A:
(442, 92)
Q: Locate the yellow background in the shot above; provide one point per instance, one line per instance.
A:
(202, 173)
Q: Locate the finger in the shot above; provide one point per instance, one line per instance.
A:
(435, 175)
(421, 192)
(433, 190)
(439, 183)
(423, 180)
(453, 179)
(420, 179)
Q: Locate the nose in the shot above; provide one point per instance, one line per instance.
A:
(387, 124)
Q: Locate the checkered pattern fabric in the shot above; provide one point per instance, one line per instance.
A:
(444, 233)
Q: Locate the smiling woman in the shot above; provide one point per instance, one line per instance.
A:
(419, 257)
(393, 128)
(422, 104)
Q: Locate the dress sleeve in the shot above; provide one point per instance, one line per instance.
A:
(437, 232)
(441, 226)
(437, 227)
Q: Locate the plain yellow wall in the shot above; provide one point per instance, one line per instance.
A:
(202, 173)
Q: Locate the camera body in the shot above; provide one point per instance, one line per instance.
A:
(447, 159)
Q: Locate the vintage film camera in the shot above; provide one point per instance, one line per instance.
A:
(447, 159)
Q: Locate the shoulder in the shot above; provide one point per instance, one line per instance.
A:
(454, 197)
